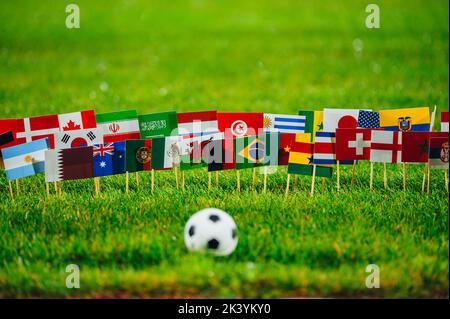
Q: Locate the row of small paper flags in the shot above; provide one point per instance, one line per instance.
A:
(82, 144)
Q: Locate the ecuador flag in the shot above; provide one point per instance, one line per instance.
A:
(409, 119)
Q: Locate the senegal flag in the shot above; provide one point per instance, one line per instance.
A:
(301, 157)
(138, 154)
(256, 150)
(314, 122)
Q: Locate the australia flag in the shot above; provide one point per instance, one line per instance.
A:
(109, 159)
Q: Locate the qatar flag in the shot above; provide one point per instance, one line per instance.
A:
(340, 118)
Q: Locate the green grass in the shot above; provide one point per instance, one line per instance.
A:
(272, 56)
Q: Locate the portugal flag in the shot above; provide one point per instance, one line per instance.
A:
(138, 154)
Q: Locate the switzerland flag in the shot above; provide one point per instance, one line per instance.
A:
(353, 144)
(240, 124)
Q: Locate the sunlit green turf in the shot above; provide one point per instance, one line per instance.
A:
(271, 56)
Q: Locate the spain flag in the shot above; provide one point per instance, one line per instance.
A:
(405, 120)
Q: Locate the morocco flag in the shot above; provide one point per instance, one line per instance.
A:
(138, 154)
(415, 145)
(353, 144)
(69, 164)
(240, 124)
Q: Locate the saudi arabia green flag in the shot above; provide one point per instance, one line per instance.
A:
(256, 150)
(157, 124)
(166, 152)
(138, 155)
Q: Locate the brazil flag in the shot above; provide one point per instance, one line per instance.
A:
(256, 150)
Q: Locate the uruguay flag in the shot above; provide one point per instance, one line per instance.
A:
(109, 159)
(25, 159)
(283, 123)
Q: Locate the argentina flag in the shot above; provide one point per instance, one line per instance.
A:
(283, 123)
(25, 159)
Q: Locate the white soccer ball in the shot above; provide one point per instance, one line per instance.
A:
(211, 230)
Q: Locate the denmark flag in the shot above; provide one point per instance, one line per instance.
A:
(353, 144)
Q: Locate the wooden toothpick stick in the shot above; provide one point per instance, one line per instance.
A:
(384, 176)
(209, 180)
(424, 177)
(182, 180)
(428, 182)
(137, 179)
(11, 190)
(287, 183)
(254, 178)
(17, 186)
(47, 189)
(127, 182)
(353, 173)
(265, 179)
(446, 180)
(313, 181)
(338, 175)
(176, 176)
(153, 180)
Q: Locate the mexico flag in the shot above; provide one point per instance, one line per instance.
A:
(240, 124)
(138, 154)
(69, 164)
(166, 152)
(119, 126)
(353, 144)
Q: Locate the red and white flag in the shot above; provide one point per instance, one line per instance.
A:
(78, 138)
(38, 127)
(444, 121)
(386, 147)
(240, 124)
(340, 118)
(353, 144)
(77, 120)
(193, 124)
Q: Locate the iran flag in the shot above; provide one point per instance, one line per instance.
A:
(353, 144)
(386, 147)
(340, 118)
(240, 124)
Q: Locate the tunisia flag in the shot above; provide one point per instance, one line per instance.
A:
(353, 144)
(240, 124)
(415, 145)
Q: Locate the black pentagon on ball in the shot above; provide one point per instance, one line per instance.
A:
(213, 244)
(214, 218)
(234, 233)
(191, 231)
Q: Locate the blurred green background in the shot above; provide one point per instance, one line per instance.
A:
(271, 56)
